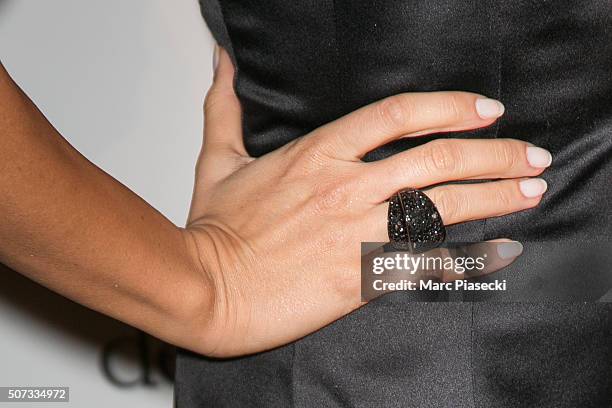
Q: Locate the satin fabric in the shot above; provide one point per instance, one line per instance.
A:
(303, 63)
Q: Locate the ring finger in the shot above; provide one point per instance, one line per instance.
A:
(466, 202)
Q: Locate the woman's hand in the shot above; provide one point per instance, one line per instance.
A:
(278, 237)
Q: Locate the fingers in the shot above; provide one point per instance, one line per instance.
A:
(445, 160)
(459, 203)
(223, 122)
(404, 115)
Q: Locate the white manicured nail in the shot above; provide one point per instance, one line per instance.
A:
(509, 250)
(489, 108)
(538, 157)
(534, 187)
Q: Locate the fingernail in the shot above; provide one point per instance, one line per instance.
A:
(538, 157)
(509, 250)
(489, 108)
(215, 57)
(534, 187)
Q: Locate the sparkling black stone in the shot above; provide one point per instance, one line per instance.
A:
(414, 223)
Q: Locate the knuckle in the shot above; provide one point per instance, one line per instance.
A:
(452, 108)
(299, 147)
(506, 154)
(442, 156)
(306, 158)
(320, 143)
(333, 197)
(394, 112)
(447, 202)
(503, 198)
(311, 156)
(303, 157)
(405, 167)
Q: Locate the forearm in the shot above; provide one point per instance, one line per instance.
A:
(73, 228)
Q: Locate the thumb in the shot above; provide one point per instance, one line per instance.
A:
(222, 112)
(223, 151)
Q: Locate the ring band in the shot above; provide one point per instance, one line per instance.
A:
(414, 223)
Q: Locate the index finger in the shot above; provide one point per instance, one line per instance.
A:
(406, 115)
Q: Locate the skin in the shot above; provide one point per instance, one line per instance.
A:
(270, 252)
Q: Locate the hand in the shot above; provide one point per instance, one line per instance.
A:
(278, 237)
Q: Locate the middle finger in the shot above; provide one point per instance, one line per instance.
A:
(445, 160)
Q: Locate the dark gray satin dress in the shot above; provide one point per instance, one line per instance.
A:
(303, 63)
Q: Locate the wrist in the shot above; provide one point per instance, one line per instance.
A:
(200, 310)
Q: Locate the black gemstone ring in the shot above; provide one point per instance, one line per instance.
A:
(414, 223)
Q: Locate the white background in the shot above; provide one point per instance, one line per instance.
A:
(124, 82)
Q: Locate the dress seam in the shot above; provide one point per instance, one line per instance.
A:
(494, 15)
(472, 377)
(493, 23)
